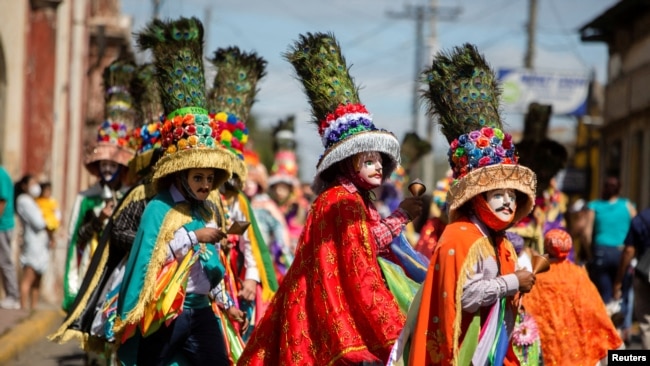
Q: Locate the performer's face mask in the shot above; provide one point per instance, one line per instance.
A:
(200, 182)
(250, 188)
(369, 168)
(34, 189)
(503, 202)
(281, 191)
(108, 170)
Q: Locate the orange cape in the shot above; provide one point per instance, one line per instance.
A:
(573, 324)
(332, 307)
(441, 322)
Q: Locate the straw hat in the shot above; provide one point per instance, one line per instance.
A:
(344, 124)
(463, 92)
(189, 136)
(112, 135)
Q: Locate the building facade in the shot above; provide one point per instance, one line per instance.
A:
(625, 131)
(52, 55)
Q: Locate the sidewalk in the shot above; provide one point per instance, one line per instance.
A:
(21, 328)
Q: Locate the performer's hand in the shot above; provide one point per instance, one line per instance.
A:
(107, 211)
(247, 291)
(209, 235)
(238, 316)
(412, 206)
(526, 280)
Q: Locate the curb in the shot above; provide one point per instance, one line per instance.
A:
(30, 330)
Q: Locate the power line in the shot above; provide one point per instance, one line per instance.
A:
(573, 45)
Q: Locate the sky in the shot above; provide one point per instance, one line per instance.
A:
(379, 45)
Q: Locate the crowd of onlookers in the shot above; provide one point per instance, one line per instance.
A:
(39, 216)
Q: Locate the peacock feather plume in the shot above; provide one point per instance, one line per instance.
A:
(147, 93)
(462, 91)
(118, 96)
(177, 47)
(234, 86)
(284, 134)
(321, 68)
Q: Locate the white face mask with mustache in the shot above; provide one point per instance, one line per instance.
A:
(370, 168)
(503, 203)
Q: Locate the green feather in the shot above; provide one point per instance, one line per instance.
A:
(321, 68)
(463, 92)
(234, 86)
(147, 94)
(118, 97)
(177, 47)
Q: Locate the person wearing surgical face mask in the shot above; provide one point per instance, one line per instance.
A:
(34, 256)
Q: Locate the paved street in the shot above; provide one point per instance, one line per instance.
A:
(46, 353)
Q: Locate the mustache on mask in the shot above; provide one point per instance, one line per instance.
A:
(203, 190)
(503, 208)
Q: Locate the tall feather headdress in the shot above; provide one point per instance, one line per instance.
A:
(119, 111)
(146, 139)
(285, 162)
(463, 92)
(189, 137)
(232, 97)
(345, 126)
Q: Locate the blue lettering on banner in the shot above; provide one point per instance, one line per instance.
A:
(628, 357)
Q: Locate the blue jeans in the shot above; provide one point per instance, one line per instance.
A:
(195, 334)
(603, 268)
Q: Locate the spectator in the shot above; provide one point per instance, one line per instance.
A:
(50, 209)
(34, 254)
(608, 220)
(637, 244)
(7, 266)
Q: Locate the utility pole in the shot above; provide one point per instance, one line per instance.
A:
(156, 9)
(419, 13)
(530, 30)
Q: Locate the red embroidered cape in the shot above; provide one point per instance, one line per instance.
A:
(333, 307)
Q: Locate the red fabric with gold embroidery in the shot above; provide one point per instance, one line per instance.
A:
(438, 320)
(332, 307)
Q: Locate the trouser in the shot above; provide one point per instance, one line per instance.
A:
(642, 308)
(7, 266)
(195, 334)
(603, 269)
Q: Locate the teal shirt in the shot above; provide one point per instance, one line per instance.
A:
(7, 195)
(611, 221)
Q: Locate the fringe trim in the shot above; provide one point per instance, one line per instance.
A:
(239, 168)
(194, 158)
(175, 218)
(136, 194)
(381, 141)
(485, 179)
(62, 334)
(140, 162)
(479, 251)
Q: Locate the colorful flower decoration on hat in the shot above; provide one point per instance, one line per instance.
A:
(487, 146)
(232, 133)
(115, 133)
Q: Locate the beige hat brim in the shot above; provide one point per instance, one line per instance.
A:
(500, 176)
(107, 151)
(196, 158)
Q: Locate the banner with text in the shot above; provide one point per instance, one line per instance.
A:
(567, 93)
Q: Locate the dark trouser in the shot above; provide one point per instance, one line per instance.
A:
(195, 334)
(603, 268)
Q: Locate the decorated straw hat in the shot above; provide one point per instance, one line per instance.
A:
(285, 163)
(344, 124)
(146, 138)
(463, 92)
(189, 137)
(232, 97)
(112, 135)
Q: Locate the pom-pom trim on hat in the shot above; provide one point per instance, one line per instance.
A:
(480, 148)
